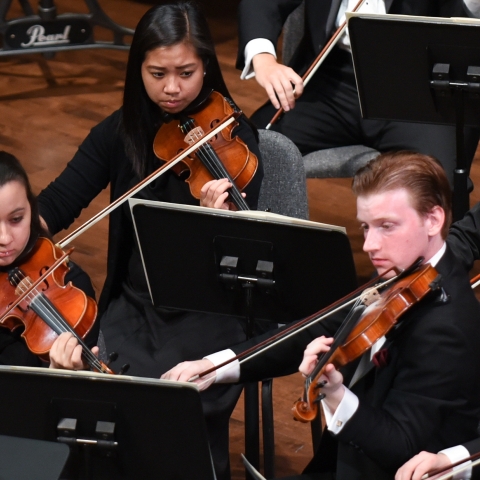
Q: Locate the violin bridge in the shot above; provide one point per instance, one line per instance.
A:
(194, 135)
(369, 296)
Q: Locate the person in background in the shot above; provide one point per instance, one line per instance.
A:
(326, 113)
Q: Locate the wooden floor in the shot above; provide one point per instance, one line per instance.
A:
(47, 107)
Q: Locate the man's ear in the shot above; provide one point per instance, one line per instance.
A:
(435, 219)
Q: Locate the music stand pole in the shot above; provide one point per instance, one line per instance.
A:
(461, 203)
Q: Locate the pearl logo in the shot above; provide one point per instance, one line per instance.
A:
(39, 39)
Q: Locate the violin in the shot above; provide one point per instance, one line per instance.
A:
(221, 157)
(375, 322)
(50, 308)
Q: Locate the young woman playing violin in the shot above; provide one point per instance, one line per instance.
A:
(418, 387)
(171, 70)
(20, 230)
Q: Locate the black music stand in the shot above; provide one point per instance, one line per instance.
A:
(420, 69)
(24, 459)
(48, 33)
(257, 265)
(117, 427)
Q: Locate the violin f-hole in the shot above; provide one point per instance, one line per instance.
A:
(41, 272)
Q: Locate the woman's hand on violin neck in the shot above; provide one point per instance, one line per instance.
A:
(214, 194)
(282, 84)
(421, 464)
(331, 380)
(185, 371)
(66, 353)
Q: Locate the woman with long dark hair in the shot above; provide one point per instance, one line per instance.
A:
(20, 229)
(171, 70)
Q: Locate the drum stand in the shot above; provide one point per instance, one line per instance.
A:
(48, 33)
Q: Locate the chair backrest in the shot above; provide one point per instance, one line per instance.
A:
(284, 188)
(293, 32)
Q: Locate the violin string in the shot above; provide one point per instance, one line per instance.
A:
(51, 311)
(209, 156)
(339, 338)
(214, 165)
(54, 319)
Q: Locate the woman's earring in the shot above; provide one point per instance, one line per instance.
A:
(204, 73)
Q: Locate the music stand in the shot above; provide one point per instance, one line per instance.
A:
(24, 459)
(117, 427)
(251, 264)
(297, 266)
(420, 69)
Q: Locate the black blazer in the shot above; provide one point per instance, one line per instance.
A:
(423, 399)
(265, 19)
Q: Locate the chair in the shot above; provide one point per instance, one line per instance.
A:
(283, 191)
(335, 162)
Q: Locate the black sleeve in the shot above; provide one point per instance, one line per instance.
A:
(14, 351)
(473, 446)
(263, 19)
(464, 237)
(285, 357)
(84, 177)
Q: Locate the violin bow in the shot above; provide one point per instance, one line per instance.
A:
(346, 300)
(320, 59)
(475, 456)
(475, 282)
(153, 176)
(303, 324)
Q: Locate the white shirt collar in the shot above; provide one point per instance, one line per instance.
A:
(436, 258)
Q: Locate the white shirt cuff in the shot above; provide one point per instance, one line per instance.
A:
(252, 48)
(229, 373)
(455, 454)
(345, 410)
(473, 6)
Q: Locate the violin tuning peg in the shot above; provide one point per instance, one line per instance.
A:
(111, 358)
(320, 397)
(124, 369)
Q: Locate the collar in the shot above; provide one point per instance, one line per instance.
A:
(437, 257)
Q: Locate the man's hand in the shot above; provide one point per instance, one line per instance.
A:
(421, 464)
(280, 82)
(331, 379)
(184, 371)
(67, 353)
(214, 194)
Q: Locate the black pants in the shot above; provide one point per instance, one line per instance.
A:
(328, 115)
